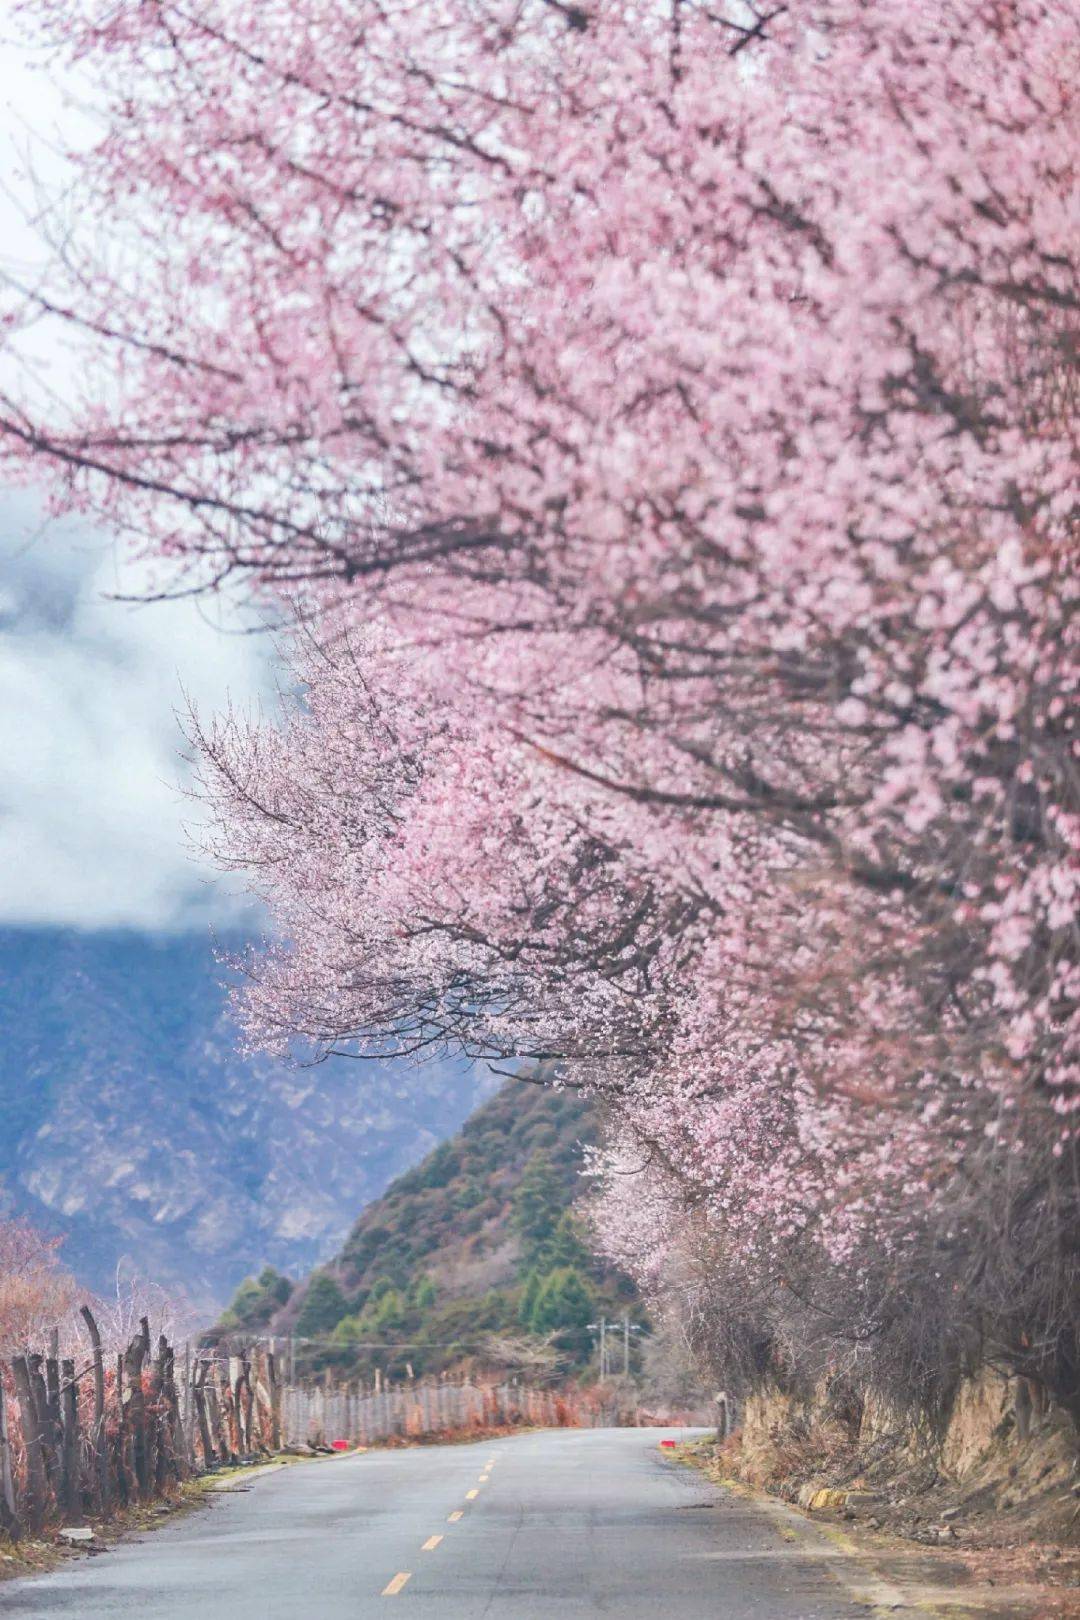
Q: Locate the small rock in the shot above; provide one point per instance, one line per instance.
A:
(77, 1535)
(827, 1500)
(951, 1513)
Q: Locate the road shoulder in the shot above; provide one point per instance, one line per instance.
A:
(889, 1575)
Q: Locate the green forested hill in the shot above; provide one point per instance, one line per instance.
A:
(475, 1255)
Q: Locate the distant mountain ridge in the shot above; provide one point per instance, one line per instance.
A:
(130, 1122)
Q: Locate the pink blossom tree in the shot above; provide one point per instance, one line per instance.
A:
(662, 418)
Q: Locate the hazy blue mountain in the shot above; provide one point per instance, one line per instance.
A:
(130, 1123)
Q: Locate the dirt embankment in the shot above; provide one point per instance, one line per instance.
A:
(998, 1483)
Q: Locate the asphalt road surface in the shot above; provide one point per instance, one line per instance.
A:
(544, 1526)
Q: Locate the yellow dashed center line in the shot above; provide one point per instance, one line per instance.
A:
(392, 1588)
(431, 1543)
(484, 1478)
(457, 1514)
(471, 1496)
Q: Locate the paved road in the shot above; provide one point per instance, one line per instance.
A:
(547, 1526)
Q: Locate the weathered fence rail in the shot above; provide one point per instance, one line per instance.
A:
(81, 1440)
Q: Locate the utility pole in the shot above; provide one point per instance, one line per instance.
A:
(608, 1352)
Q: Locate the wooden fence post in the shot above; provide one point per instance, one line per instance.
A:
(9, 1511)
(187, 1407)
(246, 1400)
(69, 1414)
(134, 1357)
(198, 1395)
(39, 1402)
(274, 1382)
(232, 1382)
(52, 1397)
(217, 1427)
(177, 1448)
(213, 1407)
(97, 1432)
(120, 1444)
(32, 1439)
(155, 1449)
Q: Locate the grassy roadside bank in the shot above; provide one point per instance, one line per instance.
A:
(1036, 1581)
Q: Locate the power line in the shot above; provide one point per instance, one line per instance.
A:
(359, 1344)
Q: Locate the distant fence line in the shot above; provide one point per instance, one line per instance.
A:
(314, 1415)
(78, 1442)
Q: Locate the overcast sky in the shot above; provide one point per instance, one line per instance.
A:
(91, 815)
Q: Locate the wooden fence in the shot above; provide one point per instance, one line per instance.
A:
(81, 1441)
(316, 1415)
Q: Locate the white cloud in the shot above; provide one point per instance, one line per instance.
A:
(92, 815)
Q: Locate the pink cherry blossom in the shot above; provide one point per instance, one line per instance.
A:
(662, 422)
